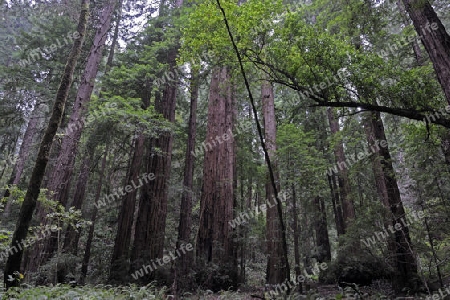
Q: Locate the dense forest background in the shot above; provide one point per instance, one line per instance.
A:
(225, 149)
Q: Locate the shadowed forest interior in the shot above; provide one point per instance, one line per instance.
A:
(192, 149)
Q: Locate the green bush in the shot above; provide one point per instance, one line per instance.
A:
(66, 292)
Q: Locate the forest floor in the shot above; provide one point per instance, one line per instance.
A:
(378, 290)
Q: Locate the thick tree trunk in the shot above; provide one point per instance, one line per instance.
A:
(183, 277)
(348, 210)
(406, 22)
(29, 203)
(215, 236)
(434, 37)
(276, 266)
(151, 219)
(404, 260)
(322, 239)
(61, 175)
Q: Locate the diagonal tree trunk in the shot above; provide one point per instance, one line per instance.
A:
(72, 236)
(434, 37)
(24, 153)
(415, 44)
(61, 175)
(29, 203)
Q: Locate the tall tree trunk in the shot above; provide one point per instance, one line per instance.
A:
(61, 175)
(296, 230)
(29, 203)
(406, 22)
(215, 237)
(183, 280)
(340, 227)
(276, 266)
(348, 210)
(404, 261)
(151, 219)
(72, 234)
(322, 239)
(434, 37)
(120, 255)
(24, 153)
(87, 251)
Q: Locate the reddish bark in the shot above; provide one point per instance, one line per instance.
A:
(29, 204)
(182, 276)
(434, 37)
(276, 265)
(215, 236)
(61, 175)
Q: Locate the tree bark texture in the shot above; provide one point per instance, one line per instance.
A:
(61, 175)
(436, 42)
(152, 213)
(215, 236)
(184, 263)
(276, 266)
(29, 204)
(24, 154)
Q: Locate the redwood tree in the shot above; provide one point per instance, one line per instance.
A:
(348, 210)
(434, 37)
(404, 261)
(61, 175)
(276, 265)
(215, 237)
(184, 263)
(33, 190)
(152, 213)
